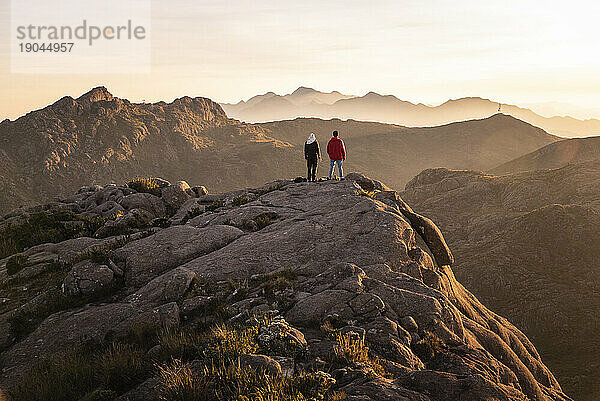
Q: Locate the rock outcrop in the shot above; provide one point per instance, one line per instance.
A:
(323, 264)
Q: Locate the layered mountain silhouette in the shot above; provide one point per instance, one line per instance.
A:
(398, 153)
(527, 245)
(390, 109)
(327, 290)
(101, 138)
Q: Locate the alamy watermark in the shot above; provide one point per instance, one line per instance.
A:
(74, 36)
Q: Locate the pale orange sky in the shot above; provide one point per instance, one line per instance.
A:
(509, 51)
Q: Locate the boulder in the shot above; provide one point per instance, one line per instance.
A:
(261, 362)
(169, 287)
(195, 305)
(187, 210)
(152, 204)
(87, 278)
(280, 338)
(175, 195)
(200, 190)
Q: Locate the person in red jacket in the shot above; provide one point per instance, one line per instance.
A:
(337, 154)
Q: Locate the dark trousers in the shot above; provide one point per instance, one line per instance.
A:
(311, 166)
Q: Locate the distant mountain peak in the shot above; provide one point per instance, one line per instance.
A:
(303, 90)
(96, 94)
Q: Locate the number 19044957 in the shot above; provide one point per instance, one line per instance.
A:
(46, 47)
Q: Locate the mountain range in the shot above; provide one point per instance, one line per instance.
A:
(518, 205)
(307, 102)
(98, 138)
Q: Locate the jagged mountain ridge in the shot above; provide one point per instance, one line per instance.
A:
(390, 109)
(100, 138)
(364, 264)
(526, 244)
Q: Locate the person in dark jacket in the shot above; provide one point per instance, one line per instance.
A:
(337, 154)
(312, 154)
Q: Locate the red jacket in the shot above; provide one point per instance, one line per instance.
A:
(335, 149)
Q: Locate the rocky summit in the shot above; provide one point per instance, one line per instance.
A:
(290, 291)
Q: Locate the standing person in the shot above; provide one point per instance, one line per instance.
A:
(337, 154)
(312, 154)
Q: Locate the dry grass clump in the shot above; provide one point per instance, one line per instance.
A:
(350, 349)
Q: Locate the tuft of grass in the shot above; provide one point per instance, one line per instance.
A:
(256, 224)
(145, 185)
(369, 194)
(62, 378)
(225, 343)
(313, 385)
(240, 200)
(101, 374)
(16, 263)
(179, 344)
(121, 367)
(215, 382)
(272, 188)
(337, 396)
(264, 220)
(428, 346)
(350, 349)
(179, 383)
(215, 205)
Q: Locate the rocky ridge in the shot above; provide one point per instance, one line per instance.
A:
(329, 262)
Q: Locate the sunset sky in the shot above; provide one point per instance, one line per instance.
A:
(510, 51)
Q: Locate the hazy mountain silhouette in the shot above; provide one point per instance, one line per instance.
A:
(398, 153)
(527, 245)
(554, 155)
(390, 109)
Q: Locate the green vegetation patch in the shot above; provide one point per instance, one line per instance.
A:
(215, 205)
(16, 263)
(49, 226)
(145, 185)
(240, 200)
